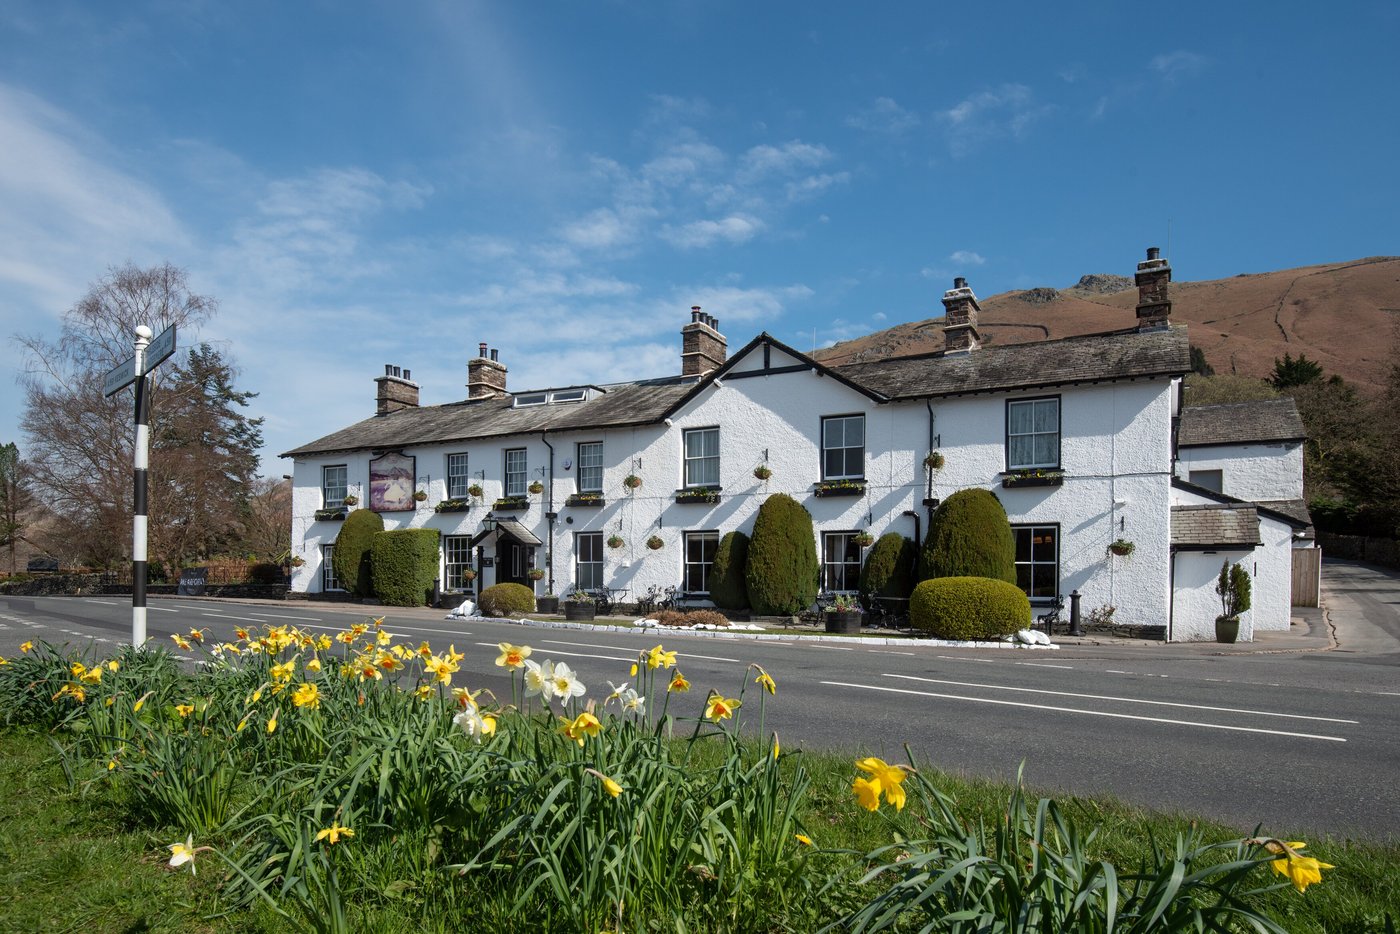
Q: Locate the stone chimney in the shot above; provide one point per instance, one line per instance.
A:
(960, 324)
(486, 376)
(1154, 306)
(703, 347)
(395, 391)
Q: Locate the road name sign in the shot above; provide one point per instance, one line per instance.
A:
(160, 349)
(121, 376)
(124, 373)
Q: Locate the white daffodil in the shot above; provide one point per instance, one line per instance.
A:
(618, 691)
(566, 683)
(632, 702)
(474, 724)
(181, 853)
(539, 679)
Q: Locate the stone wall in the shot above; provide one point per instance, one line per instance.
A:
(1382, 551)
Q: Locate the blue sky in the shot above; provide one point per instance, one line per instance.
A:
(362, 183)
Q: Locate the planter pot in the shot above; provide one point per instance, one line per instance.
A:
(1012, 481)
(509, 503)
(1227, 628)
(845, 489)
(584, 499)
(548, 605)
(697, 496)
(452, 505)
(842, 622)
(579, 610)
(331, 515)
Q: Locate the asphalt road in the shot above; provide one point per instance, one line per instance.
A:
(1302, 742)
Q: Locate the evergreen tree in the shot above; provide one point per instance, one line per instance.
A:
(969, 537)
(782, 569)
(1289, 372)
(15, 499)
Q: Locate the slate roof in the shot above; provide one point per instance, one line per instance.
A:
(1293, 508)
(1128, 354)
(1124, 354)
(1218, 525)
(1264, 420)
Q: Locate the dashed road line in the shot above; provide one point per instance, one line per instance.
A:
(1042, 665)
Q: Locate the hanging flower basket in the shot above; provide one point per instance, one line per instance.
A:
(863, 539)
(468, 574)
(476, 491)
(1122, 548)
(762, 472)
(420, 496)
(615, 541)
(298, 561)
(632, 481)
(351, 500)
(537, 487)
(655, 543)
(934, 460)
(535, 574)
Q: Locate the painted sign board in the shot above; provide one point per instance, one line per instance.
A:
(120, 377)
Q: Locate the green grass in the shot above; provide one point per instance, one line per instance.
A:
(68, 861)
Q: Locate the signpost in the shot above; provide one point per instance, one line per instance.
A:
(149, 355)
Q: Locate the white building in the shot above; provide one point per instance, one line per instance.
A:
(1074, 435)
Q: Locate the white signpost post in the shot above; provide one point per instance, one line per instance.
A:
(149, 355)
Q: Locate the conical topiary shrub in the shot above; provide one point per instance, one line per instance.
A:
(728, 587)
(782, 568)
(969, 537)
(350, 557)
(889, 568)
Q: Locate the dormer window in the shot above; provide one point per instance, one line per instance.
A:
(531, 398)
(568, 395)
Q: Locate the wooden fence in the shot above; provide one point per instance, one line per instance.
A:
(1307, 576)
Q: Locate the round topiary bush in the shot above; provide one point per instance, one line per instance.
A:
(889, 568)
(350, 556)
(969, 608)
(969, 537)
(728, 589)
(782, 568)
(506, 600)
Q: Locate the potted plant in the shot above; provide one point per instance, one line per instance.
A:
(351, 500)
(843, 616)
(839, 488)
(1122, 547)
(535, 574)
(579, 605)
(863, 539)
(585, 499)
(420, 496)
(475, 491)
(763, 472)
(655, 543)
(547, 603)
(631, 481)
(536, 487)
(453, 505)
(934, 460)
(698, 494)
(1234, 589)
(615, 541)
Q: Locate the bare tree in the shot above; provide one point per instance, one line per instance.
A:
(267, 530)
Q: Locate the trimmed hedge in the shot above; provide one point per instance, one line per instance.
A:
(969, 608)
(405, 564)
(889, 568)
(350, 558)
(728, 589)
(969, 536)
(782, 569)
(506, 600)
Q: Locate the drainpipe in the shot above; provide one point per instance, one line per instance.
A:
(1171, 594)
(928, 492)
(550, 515)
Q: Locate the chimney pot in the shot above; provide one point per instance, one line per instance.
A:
(397, 371)
(406, 374)
(1154, 252)
(388, 369)
(959, 283)
(494, 353)
(481, 350)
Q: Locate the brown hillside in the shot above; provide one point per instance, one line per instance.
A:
(1343, 315)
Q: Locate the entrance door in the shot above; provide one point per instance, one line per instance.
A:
(513, 561)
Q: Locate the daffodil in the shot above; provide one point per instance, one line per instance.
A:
(632, 702)
(512, 656)
(383, 637)
(241, 633)
(92, 676)
(114, 665)
(466, 697)
(765, 679)
(27, 647)
(658, 657)
(610, 786)
(776, 746)
(184, 710)
(539, 679)
(867, 791)
(678, 683)
(333, 833)
(283, 671)
(196, 636)
(565, 683)
(803, 839)
(75, 691)
(719, 707)
(323, 642)
(616, 692)
(313, 664)
(141, 702)
(585, 724)
(181, 853)
(1301, 870)
(441, 667)
(889, 777)
(272, 723)
(387, 661)
(308, 695)
(77, 669)
(474, 724)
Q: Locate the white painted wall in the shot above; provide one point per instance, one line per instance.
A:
(1115, 452)
(1251, 472)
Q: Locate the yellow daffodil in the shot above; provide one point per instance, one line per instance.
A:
(284, 670)
(678, 683)
(423, 692)
(184, 710)
(383, 638)
(181, 853)
(803, 839)
(242, 723)
(658, 657)
(776, 746)
(27, 647)
(333, 833)
(424, 649)
(180, 640)
(890, 778)
(378, 621)
(4, 660)
(1301, 870)
(719, 708)
(867, 791)
(453, 654)
(466, 697)
(77, 669)
(308, 695)
(91, 676)
(401, 651)
(241, 633)
(765, 679)
(634, 669)
(323, 642)
(313, 664)
(272, 723)
(610, 786)
(585, 724)
(387, 661)
(347, 637)
(141, 702)
(512, 656)
(75, 691)
(196, 636)
(114, 665)
(441, 668)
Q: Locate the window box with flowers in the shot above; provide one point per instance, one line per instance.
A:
(511, 503)
(453, 505)
(585, 499)
(839, 488)
(336, 514)
(698, 494)
(1038, 476)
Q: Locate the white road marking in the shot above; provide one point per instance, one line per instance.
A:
(1387, 693)
(834, 648)
(889, 652)
(1115, 671)
(679, 653)
(1091, 713)
(1123, 700)
(162, 609)
(103, 602)
(1041, 665)
(959, 658)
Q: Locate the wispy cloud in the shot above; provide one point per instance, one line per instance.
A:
(884, 115)
(1006, 111)
(737, 228)
(966, 258)
(1173, 66)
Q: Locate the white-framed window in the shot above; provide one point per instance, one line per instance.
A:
(1038, 560)
(458, 476)
(1213, 480)
(1032, 433)
(588, 560)
(333, 485)
(517, 472)
(702, 457)
(840, 562)
(590, 467)
(700, 548)
(328, 581)
(843, 447)
(457, 557)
